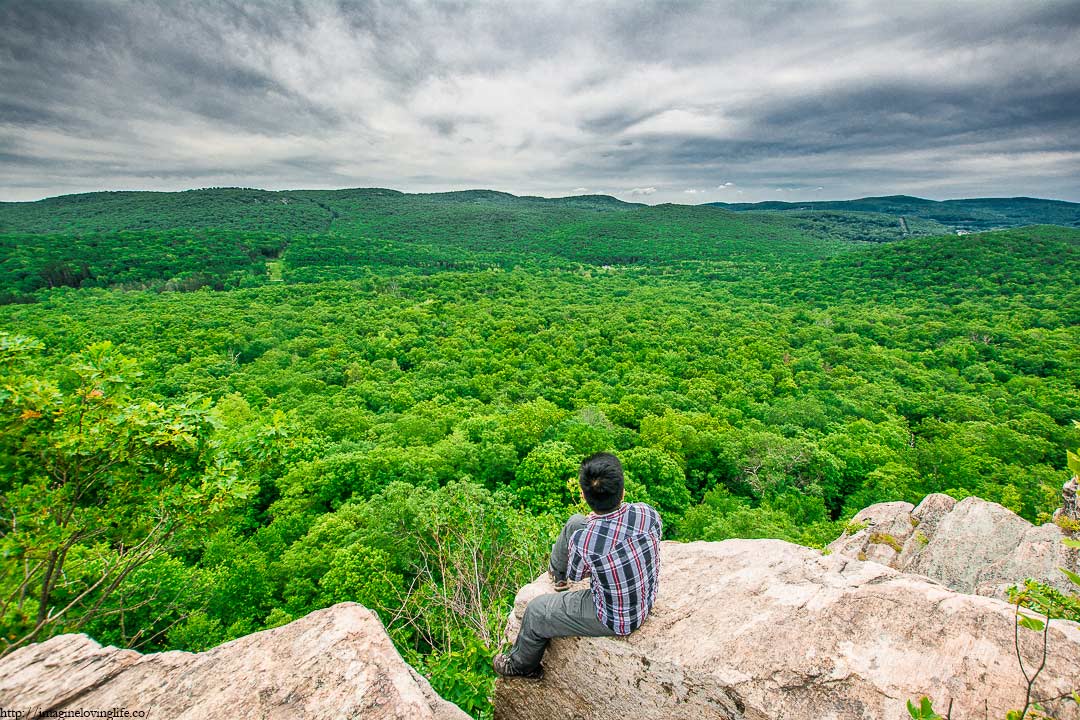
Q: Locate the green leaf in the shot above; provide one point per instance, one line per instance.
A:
(1069, 542)
(1073, 461)
(1071, 575)
(925, 710)
(1031, 623)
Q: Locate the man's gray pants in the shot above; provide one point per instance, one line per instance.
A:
(554, 615)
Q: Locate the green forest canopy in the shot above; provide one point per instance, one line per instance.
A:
(224, 409)
(967, 215)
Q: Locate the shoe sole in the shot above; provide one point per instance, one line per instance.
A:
(535, 676)
(526, 678)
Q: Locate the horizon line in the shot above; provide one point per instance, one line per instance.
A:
(531, 196)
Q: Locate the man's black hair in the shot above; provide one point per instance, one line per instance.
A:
(601, 479)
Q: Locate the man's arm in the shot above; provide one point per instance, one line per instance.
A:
(577, 568)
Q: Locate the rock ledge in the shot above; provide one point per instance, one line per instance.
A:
(763, 629)
(332, 664)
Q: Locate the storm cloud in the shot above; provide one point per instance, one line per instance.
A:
(654, 102)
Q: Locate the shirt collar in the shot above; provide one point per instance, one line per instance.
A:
(622, 507)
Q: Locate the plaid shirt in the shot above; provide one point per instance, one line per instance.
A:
(620, 551)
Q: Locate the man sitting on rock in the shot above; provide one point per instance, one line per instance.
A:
(617, 546)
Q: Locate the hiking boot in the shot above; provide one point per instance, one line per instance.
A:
(504, 667)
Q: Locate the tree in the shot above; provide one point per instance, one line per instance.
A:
(359, 573)
(662, 477)
(545, 480)
(94, 484)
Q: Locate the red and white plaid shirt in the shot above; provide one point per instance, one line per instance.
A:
(620, 551)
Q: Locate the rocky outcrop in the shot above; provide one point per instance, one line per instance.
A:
(877, 533)
(763, 629)
(972, 546)
(1069, 512)
(334, 663)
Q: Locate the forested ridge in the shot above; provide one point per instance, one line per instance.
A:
(222, 411)
(224, 238)
(969, 214)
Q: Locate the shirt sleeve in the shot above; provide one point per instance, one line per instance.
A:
(576, 566)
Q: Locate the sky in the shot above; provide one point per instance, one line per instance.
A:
(685, 102)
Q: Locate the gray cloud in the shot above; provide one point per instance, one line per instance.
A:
(819, 99)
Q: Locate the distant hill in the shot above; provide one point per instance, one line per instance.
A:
(235, 237)
(286, 211)
(955, 269)
(227, 238)
(311, 211)
(971, 214)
